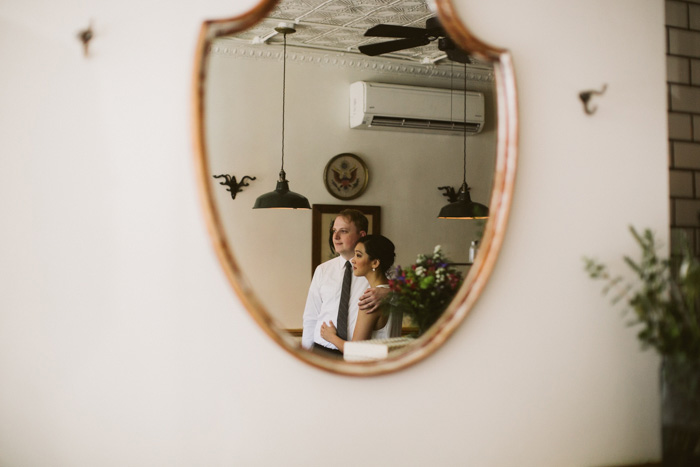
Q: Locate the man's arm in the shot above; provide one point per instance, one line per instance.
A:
(372, 299)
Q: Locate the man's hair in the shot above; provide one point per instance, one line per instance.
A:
(357, 218)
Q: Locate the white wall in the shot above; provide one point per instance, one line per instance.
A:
(122, 344)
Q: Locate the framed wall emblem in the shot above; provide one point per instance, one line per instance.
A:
(346, 176)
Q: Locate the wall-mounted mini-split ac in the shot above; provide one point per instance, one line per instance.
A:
(379, 106)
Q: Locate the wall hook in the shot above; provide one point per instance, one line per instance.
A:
(585, 97)
(85, 36)
(451, 194)
(233, 186)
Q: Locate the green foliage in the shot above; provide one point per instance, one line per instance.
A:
(663, 297)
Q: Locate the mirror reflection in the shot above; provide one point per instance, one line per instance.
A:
(413, 111)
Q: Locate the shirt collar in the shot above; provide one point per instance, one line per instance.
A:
(341, 262)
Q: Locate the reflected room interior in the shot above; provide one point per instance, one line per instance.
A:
(248, 81)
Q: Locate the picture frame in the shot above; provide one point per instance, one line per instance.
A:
(346, 176)
(322, 218)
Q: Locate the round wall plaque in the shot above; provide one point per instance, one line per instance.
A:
(346, 176)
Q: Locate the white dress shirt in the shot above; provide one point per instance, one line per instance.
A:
(323, 300)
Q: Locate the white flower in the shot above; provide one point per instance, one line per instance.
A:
(685, 267)
(437, 249)
(420, 270)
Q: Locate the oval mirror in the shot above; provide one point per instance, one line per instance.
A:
(390, 108)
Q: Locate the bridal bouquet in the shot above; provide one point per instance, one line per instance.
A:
(423, 290)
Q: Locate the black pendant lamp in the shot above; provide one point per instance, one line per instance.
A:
(282, 198)
(464, 207)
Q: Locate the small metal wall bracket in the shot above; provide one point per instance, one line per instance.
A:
(450, 193)
(85, 36)
(585, 97)
(233, 186)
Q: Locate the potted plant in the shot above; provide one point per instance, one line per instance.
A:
(663, 297)
(423, 290)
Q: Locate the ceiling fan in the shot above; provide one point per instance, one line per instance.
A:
(409, 37)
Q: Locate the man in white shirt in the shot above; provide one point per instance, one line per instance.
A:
(324, 293)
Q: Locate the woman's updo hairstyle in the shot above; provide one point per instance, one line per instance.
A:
(381, 248)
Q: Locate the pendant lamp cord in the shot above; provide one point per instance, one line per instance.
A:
(451, 90)
(465, 124)
(284, 80)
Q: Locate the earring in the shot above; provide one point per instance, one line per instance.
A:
(374, 269)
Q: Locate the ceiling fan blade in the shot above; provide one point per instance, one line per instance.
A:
(390, 30)
(392, 46)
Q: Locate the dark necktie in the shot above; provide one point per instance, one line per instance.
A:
(342, 326)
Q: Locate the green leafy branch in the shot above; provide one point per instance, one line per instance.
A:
(663, 297)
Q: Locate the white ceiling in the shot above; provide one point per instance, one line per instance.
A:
(339, 25)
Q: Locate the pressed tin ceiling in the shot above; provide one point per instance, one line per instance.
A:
(340, 25)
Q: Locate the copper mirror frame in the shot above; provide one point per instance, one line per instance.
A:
(499, 203)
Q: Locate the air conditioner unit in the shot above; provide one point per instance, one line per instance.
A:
(379, 106)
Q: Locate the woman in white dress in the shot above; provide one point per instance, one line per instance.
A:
(374, 255)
